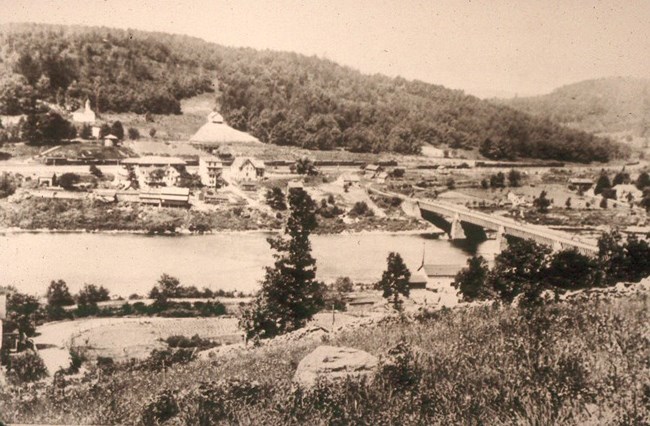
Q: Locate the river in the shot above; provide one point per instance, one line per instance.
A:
(128, 263)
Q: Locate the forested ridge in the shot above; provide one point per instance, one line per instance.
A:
(612, 104)
(281, 98)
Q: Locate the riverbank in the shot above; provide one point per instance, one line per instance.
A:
(91, 216)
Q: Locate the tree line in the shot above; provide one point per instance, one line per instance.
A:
(525, 270)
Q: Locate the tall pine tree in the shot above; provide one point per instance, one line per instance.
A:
(395, 280)
(290, 294)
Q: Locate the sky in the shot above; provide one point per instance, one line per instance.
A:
(487, 48)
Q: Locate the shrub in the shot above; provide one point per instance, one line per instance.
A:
(400, 369)
(161, 359)
(105, 364)
(178, 341)
(217, 400)
(68, 180)
(8, 185)
(25, 367)
(343, 285)
(134, 133)
(77, 358)
(160, 408)
(275, 199)
(360, 208)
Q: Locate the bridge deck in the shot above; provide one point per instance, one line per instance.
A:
(510, 227)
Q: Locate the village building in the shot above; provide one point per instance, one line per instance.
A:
(349, 179)
(371, 170)
(213, 197)
(166, 197)
(295, 185)
(245, 169)
(642, 232)
(441, 276)
(84, 115)
(95, 131)
(418, 281)
(210, 170)
(381, 177)
(215, 134)
(156, 170)
(45, 180)
(581, 184)
(110, 140)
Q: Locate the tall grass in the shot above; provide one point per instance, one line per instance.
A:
(571, 363)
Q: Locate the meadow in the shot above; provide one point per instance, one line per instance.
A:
(585, 361)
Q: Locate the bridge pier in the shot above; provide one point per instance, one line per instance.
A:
(502, 241)
(456, 232)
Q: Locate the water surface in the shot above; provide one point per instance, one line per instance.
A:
(127, 263)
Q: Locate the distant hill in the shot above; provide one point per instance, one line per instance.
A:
(281, 98)
(605, 105)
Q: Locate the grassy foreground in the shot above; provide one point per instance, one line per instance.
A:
(572, 363)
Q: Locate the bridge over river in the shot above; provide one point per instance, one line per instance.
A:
(460, 222)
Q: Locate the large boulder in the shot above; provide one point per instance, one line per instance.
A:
(334, 363)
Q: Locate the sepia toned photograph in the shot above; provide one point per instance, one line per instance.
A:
(342, 212)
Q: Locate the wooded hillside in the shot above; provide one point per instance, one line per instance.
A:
(281, 98)
(605, 105)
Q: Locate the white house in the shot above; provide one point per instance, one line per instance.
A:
(210, 170)
(349, 179)
(84, 115)
(247, 169)
(517, 200)
(155, 170)
(441, 276)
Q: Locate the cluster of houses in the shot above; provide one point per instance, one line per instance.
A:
(157, 171)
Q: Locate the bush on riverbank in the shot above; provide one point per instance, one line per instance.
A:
(484, 365)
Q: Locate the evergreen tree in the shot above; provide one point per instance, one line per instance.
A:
(395, 280)
(602, 183)
(117, 130)
(643, 181)
(104, 130)
(290, 294)
(621, 177)
(514, 177)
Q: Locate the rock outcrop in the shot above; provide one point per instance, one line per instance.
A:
(334, 363)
